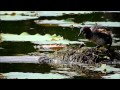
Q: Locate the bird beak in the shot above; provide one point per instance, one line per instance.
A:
(81, 32)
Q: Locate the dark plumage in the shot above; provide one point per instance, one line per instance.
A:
(97, 35)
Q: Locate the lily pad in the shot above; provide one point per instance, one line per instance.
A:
(113, 76)
(106, 24)
(21, 75)
(60, 13)
(27, 37)
(107, 69)
(16, 17)
(38, 39)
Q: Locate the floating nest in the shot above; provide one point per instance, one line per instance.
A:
(91, 55)
(86, 55)
(82, 60)
(1, 76)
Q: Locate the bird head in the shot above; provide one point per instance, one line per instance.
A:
(84, 30)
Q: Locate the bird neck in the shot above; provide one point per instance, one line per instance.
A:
(88, 35)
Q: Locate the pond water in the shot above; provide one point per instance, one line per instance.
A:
(19, 37)
(29, 71)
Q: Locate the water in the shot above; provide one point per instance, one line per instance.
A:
(29, 71)
(19, 37)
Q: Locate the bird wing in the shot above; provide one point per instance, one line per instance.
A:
(100, 29)
(104, 31)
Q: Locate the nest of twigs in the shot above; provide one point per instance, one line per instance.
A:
(90, 55)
